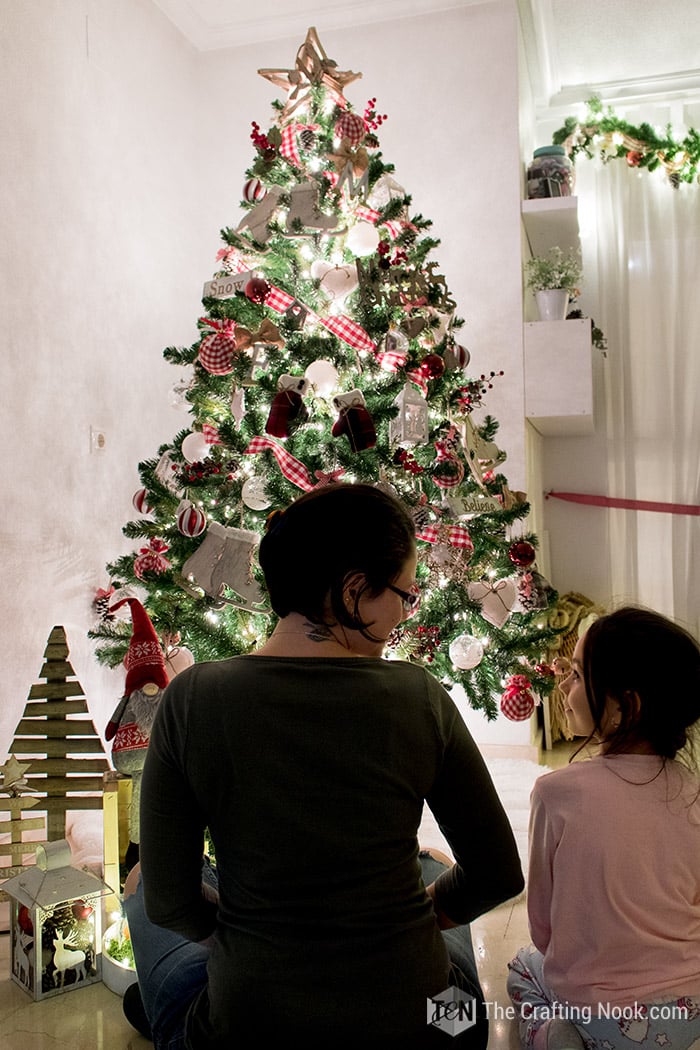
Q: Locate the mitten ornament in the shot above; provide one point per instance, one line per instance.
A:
(355, 421)
(287, 406)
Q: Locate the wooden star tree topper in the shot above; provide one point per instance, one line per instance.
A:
(313, 66)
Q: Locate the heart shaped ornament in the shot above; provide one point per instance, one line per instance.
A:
(336, 281)
(496, 599)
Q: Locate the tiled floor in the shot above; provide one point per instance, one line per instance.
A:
(91, 1018)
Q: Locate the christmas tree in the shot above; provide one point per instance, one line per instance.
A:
(327, 350)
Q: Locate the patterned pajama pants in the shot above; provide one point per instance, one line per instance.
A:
(671, 1025)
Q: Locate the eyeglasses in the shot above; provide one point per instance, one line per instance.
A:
(410, 599)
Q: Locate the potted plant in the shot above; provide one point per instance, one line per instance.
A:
(554, 278)
(118, 969)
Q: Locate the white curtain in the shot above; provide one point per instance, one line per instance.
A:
(646, 266)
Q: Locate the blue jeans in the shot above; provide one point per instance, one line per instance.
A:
(172, 970)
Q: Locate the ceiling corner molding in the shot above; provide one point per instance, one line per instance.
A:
(292, 20)
(539, 33)
(684, 85)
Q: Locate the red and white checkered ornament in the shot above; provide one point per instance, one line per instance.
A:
(191, 520)
(151, 558)
(140, 501)
(216, 351)
(351, 126)
(253, 190)
(517, 702)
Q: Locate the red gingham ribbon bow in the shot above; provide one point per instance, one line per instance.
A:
(211, 435)
(289, 148)
(420, 381)
(393, 360)
(293, 469)
(456, 535)
(344, 327)
(349, 331)
(393, 226)
(327, 479)
(367, 214)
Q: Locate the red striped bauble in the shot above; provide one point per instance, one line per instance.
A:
(141, 503)
(191, 521)
(254, 191)
(351, 126)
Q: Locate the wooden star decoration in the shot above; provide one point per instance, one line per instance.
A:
(12, 773)
(313, 66)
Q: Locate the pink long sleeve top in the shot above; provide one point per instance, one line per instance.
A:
(614, 880)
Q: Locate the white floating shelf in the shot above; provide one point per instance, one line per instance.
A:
(559, 377)
(552, 221)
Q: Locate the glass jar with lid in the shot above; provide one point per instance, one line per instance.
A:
(550, 173)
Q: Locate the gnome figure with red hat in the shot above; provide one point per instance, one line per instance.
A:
(130, 725)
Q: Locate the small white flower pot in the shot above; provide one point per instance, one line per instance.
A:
(552, 304)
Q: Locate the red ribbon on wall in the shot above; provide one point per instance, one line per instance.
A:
(626, 504)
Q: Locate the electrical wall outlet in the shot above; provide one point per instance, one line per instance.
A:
(98, 439)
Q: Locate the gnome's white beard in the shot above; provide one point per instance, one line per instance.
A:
(143, 707)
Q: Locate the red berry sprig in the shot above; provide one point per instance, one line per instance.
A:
(408, 461)
(470, 396)
(386, 260)
(428, 643)
(260, 140)
(371, 117)
(191, 473)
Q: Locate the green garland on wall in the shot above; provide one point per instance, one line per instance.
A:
(603, 133)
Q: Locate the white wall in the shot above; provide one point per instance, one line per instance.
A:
(101, 254)
(127, 156)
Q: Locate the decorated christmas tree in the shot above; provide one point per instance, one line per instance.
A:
(327, 350)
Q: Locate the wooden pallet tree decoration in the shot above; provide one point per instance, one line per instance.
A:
(65, 750)
(12, 783)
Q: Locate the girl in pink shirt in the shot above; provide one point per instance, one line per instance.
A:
(614, 874)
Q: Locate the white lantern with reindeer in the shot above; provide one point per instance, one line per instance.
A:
(410, 427)
(55, 923)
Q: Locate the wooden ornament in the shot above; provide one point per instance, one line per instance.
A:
(45, 730)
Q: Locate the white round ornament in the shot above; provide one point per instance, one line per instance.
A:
(466, 652)
(195, 447)
(177, 659)
(362, 239)
(323, 376)
(254, 494)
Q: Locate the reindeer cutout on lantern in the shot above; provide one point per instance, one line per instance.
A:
(67, 957)
(22, 966)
